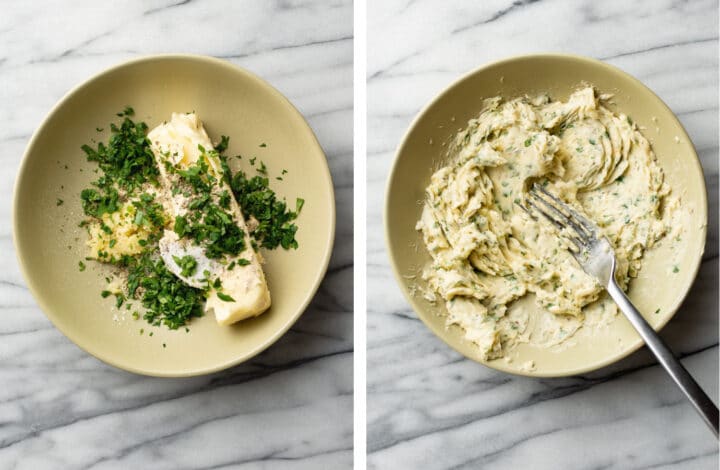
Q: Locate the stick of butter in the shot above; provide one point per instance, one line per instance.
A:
(177, 144)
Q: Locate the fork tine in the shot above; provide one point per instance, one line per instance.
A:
(586, 224)
(527, 211)
(566, 221)
(579, 243)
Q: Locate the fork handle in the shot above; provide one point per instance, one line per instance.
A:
(702, 403)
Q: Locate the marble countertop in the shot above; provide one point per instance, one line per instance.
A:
(430, 408)
(60, 408)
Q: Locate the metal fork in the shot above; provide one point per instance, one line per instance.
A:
(596, 256)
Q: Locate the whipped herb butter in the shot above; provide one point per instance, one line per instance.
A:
(487, 252)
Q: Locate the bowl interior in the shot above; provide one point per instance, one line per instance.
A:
(49, 242)
(657, 289)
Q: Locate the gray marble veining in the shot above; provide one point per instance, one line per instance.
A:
(430, 408)
(290, 407)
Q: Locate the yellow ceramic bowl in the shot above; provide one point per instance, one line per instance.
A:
(49, 243)
(421, 152)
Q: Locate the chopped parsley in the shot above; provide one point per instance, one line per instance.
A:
(224, 200)
(81, 266)
(223, 145)
(168, 301)
(187, 264)
(96, 204)
(148, 212)
(126, 160)
(210, 226)
(225, 297)
(59, 202)
(275, 227)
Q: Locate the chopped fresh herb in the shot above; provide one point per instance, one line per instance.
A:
(275, 227)
(224, 297)
(223, 145)
(197, 176)
(212, 228)
(148, 212)
(95, 204)
(187, 264)
(528, 142)
(181, 225)
(168, 301)
(224, 200)
(105, 293)
(243, 262)
(657, 311)
(128, 111)
(127, 160)
(81, 266)
(59, 202)
(676, 269)
(263, 145)
(112, 243)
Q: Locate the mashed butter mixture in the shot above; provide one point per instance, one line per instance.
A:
(487, 252)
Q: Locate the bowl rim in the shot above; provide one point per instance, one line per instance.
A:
(437, 98)
(98, 353)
